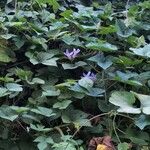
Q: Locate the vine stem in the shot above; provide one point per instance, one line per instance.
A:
(23, 127)
(59, 130)
(127, 4)
(100, 115)
(103, 78)
(124, 116)
(115, 129)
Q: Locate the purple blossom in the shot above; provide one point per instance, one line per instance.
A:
(90, 75)
(73, 54)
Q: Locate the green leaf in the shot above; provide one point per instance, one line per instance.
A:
(122, 30)
(66, 13)
(73, 66)
(101, 46)
(42, 145)
(86, 83)
(107, 11)
(23, 74)
(50, 62)
(4, 92)
(107, 30)
(39, 128)
(88, 28)
(144, 51)
(43, 58)
(14, 87)
(62, 105)
(142, 121)
(103, 62)
(43, 111)
(19, 110)
(125, 101)
(6, 79)
(51, 91)
(53, 3)
(127, 78)
(39, 41)
(123, 146)
(27, 118)
(145, 102)
(72, 40)
(7, 113)
(137, 137)
(58, 25)
(43, 142)
(95, 92)
(7, 36)
(64, 146)
(36, 81)
(4, 57)
(77, 117)
(126, 61)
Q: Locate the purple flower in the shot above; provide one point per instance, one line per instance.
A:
(90, 75)
(73, 54)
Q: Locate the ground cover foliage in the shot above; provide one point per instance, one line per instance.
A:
(74, 75)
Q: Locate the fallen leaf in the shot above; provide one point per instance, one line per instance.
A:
(101, 143)
(101, 147)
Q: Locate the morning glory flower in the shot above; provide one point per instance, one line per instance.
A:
(73, 54)
(90, 75)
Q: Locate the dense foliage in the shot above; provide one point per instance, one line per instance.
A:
(74, 70)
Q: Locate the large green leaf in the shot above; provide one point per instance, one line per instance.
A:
(54, 3)
(127, 78)
(62, 104)
(3, 91)
(142, 121)
(73, 65)
(43, 58)
(39, 128)
(101, 46)
(122, 29)
(14, 87)
(123, 146)
(137, 137)
(107, 30)
(43, 111)
(143, 51)
(77, 117)
(43, 142)
(7, 113)
(125, 101)
(64, 146)
(145, 102)
(86, 83)
(4, 57)
(100, 60)
(51, 91)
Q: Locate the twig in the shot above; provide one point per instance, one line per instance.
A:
(59, 130)
(120, 130)
(125, 116)
(23, 128)
(115, 129)
(103, 78)
(127, 4)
